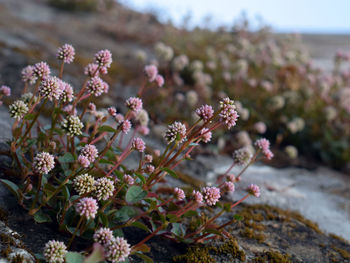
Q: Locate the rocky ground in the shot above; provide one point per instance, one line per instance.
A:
(30, 31)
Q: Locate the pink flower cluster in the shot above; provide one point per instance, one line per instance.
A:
(51, 88)
(264, 145)
(28, 75)
(151, 72)
(97, 86)
(87, 207)
(103, 58)
(117, 250)
(87, 155)
(211, 195)
(134, 104)
(253, 189)
(103, 235)
(41, 70)
(6, 91)
(126, 126)
(176, 132)
(206, 135)
(138, 144)
(129, 179)
(179, 193)
(43, 163)
(197, 196)
(66, 53)
(205, 112)
(228, 113)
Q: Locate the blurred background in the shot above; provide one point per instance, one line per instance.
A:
(286, 63)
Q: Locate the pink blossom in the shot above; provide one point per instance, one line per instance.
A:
(231, 178)
(91, 70)
(138, 144)
(151, 72)
(117, 250)
(41, 70)
(128, 179)
(260, 127)
(176, 132)
(87, 207)
(83, 161)
(112, 111)
(143, 130)
(96, 86)
(66, 53)
(28, 75)
(92, 107)
(148, 158)
(68, 109)
(253, 189)
(67, 92)
(126, 126)
(228, 113)
(134, 104)
(119, 118)
(159, 80)
(43, 163)
(229, 187)
(103, 58)
(211, 195)
(198, 197)
(205, 112)
(206, 135)
(90, 152)
(50, 88)
(179, 193)
(6, 91)
(149, 169)
(103, 235)
(264, 145)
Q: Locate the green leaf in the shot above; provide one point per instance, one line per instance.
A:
(134, 194)
(178, 229)
(172, 218)
(191, 213)
(11, 186)
(145, 258)
(106, 128)
(142, 178)
(141, 226)
(125, 213)
(40, 217)
(104, 161)
(74, 257)
(66, 158)
(169, 171)
(29, 116)
(104, 219)
(212, 231)
(66, 192)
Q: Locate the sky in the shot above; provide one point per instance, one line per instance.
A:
(302, 16)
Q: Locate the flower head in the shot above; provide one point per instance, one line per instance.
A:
(55, 251)
(229, 187)
(104, 188)
(87, 207)
(129, 179)
(51, 88)
(41, 70)
(103, 58)
(117, 250)
(148, 158)
(72, 125)
(176, 132)
(83, 161)
(66, 53)
(112, 111)
(96, 86)
(206, 135)
(90, 152)
(103, 235)
(253, 189)
(149, 169)
(159, 80)
(43, 163)
(6, 91)
(264, 145)
(211, 195)
(18, 109)
(126, 126)
(228, 113)
(242, 156)
(67, 92)
(260, 127)
(91, 70)
(205, 112)
(151, 72)
(198, 197)
(138, 144)
(134, 104)
(28, 75)
(84, 184)
(179, 193)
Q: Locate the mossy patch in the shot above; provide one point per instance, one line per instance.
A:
(272, 257)
(204, 254)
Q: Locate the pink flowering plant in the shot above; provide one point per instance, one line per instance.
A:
(72, 168)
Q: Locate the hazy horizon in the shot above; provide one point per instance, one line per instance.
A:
(312, 16)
